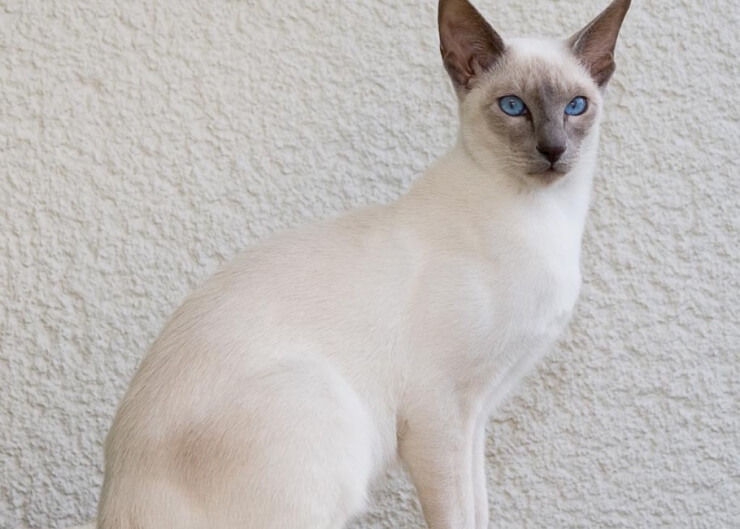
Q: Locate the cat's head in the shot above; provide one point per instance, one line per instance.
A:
(529, 107)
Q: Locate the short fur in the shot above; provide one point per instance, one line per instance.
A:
(285, 386)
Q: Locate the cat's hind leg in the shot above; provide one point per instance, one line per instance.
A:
(288, 447)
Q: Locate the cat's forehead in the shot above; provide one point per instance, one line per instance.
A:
(534, 65)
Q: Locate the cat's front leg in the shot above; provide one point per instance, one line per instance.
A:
(479, 474)
(437, 449)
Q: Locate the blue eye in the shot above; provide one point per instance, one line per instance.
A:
(512, 106)
(577, 106)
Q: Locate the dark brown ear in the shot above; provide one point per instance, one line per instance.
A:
(594, 44)
(468, 44)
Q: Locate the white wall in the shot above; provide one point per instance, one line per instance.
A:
(142, 143)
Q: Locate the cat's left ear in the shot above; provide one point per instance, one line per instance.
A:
(468, 44)
(594, 45)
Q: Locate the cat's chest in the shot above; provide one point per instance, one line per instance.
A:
(535, 280)
(541, 293)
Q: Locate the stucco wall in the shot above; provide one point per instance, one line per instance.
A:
(142, 143)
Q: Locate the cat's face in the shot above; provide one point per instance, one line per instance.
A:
(534, 114)
(529, 107)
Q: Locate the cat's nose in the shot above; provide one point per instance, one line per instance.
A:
(551, 152)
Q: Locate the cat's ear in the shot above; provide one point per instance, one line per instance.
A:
(594, 44)
(468, 44)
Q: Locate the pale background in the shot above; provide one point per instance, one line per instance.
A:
(143, 143)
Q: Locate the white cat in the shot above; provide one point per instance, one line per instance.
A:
(282, 388)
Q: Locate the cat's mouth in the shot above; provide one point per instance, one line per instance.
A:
(549, 174)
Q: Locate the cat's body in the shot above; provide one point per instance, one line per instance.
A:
(287, 384)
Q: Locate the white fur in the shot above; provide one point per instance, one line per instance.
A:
(286, 385)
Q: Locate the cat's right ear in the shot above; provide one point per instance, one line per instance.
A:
(468, 44)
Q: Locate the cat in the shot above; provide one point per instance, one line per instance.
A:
(284, 387)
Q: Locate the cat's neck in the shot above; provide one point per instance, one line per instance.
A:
(459, 200)
(459, 181)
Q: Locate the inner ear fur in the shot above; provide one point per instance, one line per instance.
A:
(468, 44)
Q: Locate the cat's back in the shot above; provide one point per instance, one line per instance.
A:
(331, 292)
(313, 276)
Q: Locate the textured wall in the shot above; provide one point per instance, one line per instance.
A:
(142, 143)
